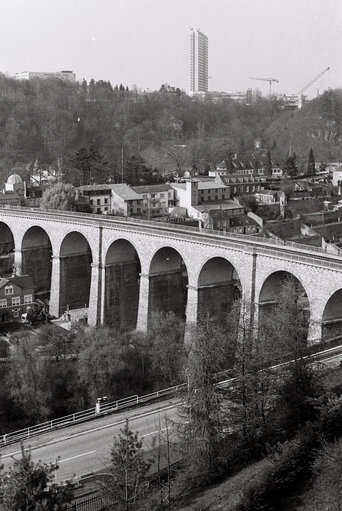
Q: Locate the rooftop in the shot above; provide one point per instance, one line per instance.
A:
(224, 206)
(152, 188)
(23, 281)
(124, 191)
(202, 185)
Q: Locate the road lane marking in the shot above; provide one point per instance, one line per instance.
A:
(77, 456)
(153, 432)
(93, 430)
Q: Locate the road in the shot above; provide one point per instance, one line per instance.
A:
(87, 450)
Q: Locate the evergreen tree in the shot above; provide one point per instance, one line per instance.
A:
(268, 165)
(311, 168)
(256, 166)
(129, 470)
(91, 165)
(229, 161)
(289, 167)
(210, 351)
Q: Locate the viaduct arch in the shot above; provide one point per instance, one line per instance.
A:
(218, 287)
(122, 283)
(36, 261)
(201, 265)
(168, 282)
(7, 248)
(75, 272)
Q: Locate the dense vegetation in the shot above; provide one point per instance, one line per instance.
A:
(282, 417)
(52, 121)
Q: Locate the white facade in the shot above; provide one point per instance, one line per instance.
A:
(66, 76)
(198, 61)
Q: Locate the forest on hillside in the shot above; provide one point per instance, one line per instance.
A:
(49, 121)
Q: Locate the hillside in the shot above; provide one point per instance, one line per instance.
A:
(318, 125)
(49, 120)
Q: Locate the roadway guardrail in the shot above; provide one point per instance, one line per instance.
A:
(85, 415)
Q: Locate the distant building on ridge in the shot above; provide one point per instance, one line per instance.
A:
(66, 76)
(198, 61)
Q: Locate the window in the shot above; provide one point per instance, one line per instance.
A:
(9, 290)
(16, 300)
(16, 313)
(106, 201)
(153, 195)
(27, 298)
(3, 303)
(98, 202)
(162, 195)
(91, 201)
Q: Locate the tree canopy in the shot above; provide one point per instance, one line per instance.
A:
(59, 196)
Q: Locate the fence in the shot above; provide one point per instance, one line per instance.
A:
(93, 503)
(85, 415)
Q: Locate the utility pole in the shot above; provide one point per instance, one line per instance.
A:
(122, 164)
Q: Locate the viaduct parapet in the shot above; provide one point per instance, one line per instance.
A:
(123, 269)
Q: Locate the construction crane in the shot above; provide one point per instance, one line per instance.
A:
(313, 81)
(269, 80)
(301, 98)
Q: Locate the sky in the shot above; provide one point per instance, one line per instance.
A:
(143, 42)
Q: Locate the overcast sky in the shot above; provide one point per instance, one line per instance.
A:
(143, 42)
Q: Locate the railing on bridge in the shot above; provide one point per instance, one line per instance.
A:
(85, 415)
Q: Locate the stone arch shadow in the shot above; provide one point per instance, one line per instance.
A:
(219, 287)
(122, 286)
(7, 248)
(75, 272)
(271, 294)
(36, 259)
(168, 280)
(332, 316)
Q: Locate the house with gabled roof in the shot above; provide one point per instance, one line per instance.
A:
(16, 295)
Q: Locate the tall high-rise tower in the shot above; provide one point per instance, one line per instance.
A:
(198, 61)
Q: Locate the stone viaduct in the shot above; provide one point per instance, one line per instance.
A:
(122, 269)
